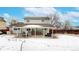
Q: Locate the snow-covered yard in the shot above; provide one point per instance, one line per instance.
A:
(63, 42)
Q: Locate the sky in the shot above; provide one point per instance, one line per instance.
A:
(65, 13)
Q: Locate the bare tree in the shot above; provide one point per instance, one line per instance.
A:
(67, 25)
(56, 21)
(14, 20)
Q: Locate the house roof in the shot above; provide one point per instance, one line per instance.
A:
(37, 18)
(19, 24)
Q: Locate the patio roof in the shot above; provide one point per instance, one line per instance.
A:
(33, 26)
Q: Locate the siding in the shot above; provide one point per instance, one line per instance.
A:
(37, 22)
(2, 25)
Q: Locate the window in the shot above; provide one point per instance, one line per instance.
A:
(15, 28)
(28, 29)
(18, 28)
(45, 29)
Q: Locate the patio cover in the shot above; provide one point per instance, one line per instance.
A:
(33, 26)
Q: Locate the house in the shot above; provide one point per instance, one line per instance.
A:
(14, 27)
(35, 26)
(3, 27)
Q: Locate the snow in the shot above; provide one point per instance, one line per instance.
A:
(32, 26)
(63, 42)
(7, 44)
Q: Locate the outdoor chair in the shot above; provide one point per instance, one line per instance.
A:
(48, 35)
(23, 34)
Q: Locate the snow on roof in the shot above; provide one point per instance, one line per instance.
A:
(33, 26)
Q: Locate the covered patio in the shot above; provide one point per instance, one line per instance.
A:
(34, 31)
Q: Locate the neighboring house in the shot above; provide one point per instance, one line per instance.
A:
(2, 23)
(14, 27)
(3, 27)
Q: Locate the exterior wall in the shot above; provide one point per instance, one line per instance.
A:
(15, 31)
(2, 25)
(11, 30)
(24, 29)
(37, 21)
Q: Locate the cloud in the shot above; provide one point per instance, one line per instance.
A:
(72, 16)
(6, 15)
(41, 11)
(77, 8)
(7, 18)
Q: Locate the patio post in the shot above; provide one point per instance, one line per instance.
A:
(25, 31)
(52, 32)
(19, 32)
(31, 31)
(48, 30)
(35, 32)
(43, 33)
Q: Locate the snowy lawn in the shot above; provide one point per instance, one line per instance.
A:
(63, 42)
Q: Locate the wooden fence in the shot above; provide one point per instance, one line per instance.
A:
(66, 31)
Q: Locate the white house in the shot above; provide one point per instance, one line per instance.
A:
(36, 26)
